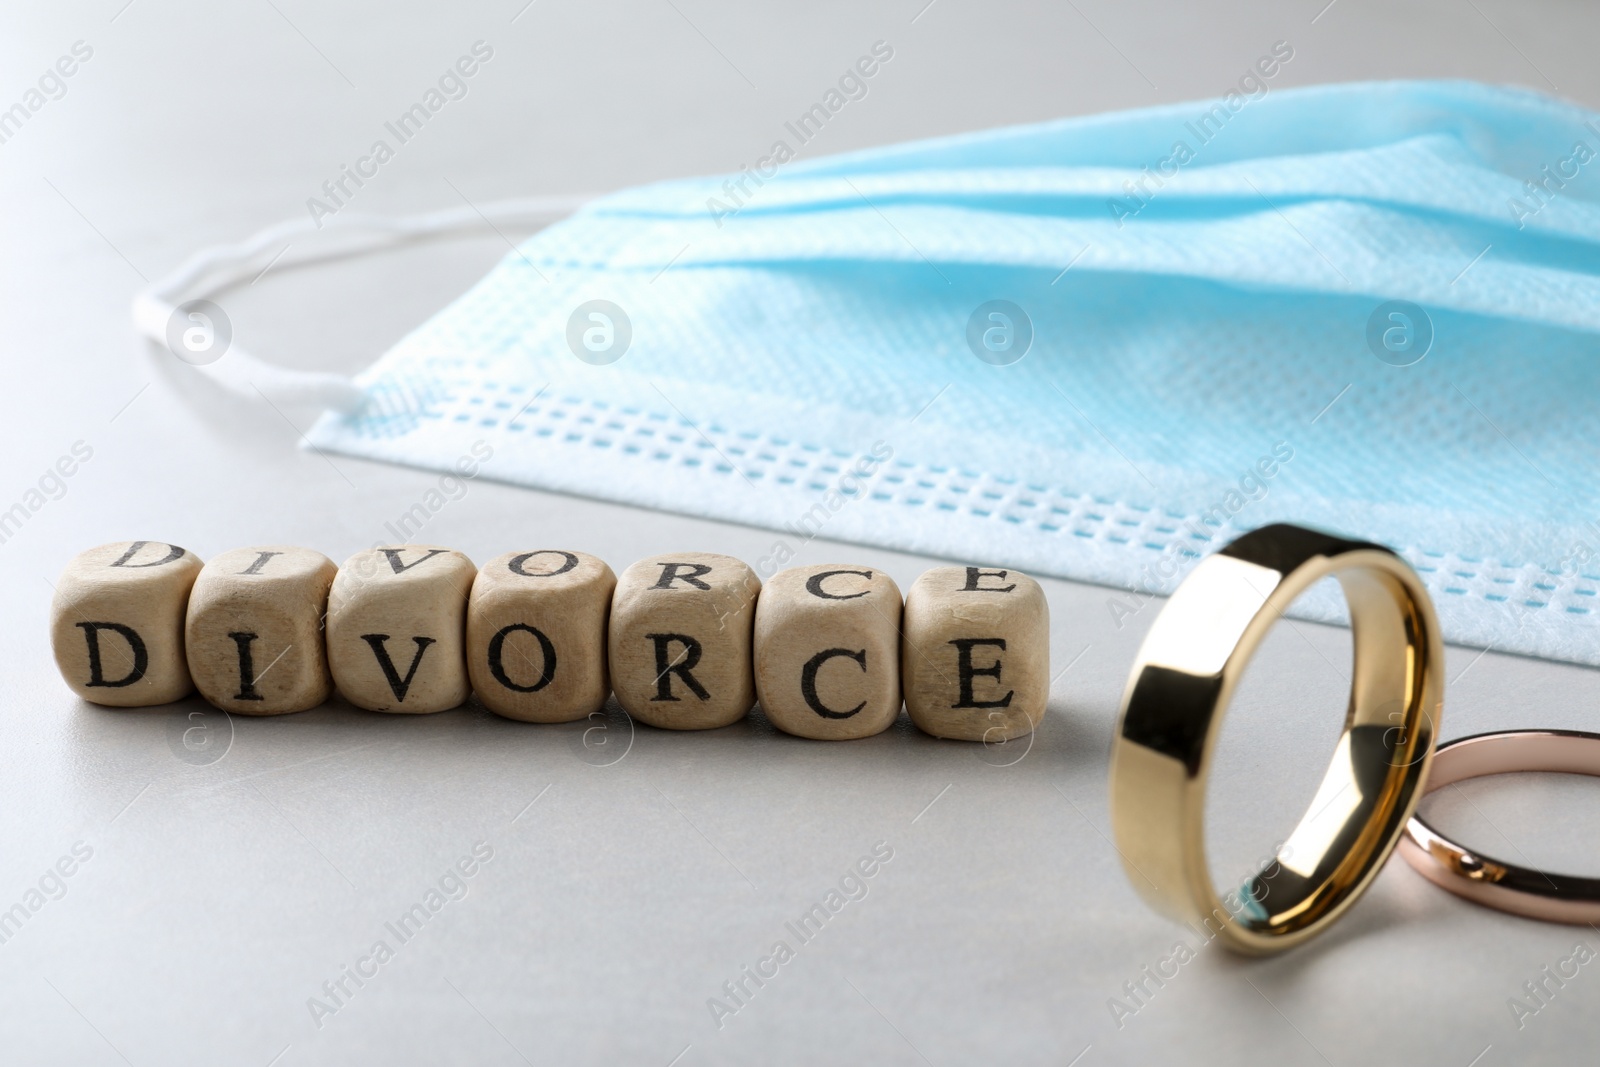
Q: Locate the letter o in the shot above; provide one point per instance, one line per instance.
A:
(518, 564)
(497, 665)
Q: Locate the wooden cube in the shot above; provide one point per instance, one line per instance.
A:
(396, 628)
(680, 640)
(828, 651)
(536, 635)
(975, 657)
(116, 623)
(253, 636)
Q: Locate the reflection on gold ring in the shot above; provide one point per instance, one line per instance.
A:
(1172, 710)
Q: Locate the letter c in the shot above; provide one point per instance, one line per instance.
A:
(814, 585)
(808, 680)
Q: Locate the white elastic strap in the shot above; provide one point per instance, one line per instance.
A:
(212, 270)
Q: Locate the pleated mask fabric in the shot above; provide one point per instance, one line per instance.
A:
(1096, 348)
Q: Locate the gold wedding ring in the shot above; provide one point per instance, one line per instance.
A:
(1185, 675)
(1563, 898)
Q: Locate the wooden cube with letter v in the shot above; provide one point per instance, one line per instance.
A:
(975, 655)
(396, 629)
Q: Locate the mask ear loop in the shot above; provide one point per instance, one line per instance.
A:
(219, 267)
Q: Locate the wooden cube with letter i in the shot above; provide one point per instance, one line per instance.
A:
(253, 634)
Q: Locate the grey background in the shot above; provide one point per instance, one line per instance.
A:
(220, 896)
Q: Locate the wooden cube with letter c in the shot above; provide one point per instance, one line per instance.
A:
(536, 635)
(397, 628)
(116, 623)
(976, 653)
(680, 640)
(828, 651)
(253, 635)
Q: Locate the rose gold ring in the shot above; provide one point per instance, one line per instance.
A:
(1562, 898)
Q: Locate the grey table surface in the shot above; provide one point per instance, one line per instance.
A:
(214, 895)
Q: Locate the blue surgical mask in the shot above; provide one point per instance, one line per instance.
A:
(1097, 348)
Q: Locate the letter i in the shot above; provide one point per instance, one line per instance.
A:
(247, 669)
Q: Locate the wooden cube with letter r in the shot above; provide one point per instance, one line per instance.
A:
(397, 628)
(680, 640)
(975, 655)
(116, 623)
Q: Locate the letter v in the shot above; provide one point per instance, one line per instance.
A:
(398, 684)
(400, 568)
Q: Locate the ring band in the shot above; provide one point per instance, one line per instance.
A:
(1185, 674)
(1562, 898)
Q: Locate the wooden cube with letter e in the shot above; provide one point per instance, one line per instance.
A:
(975, 656)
